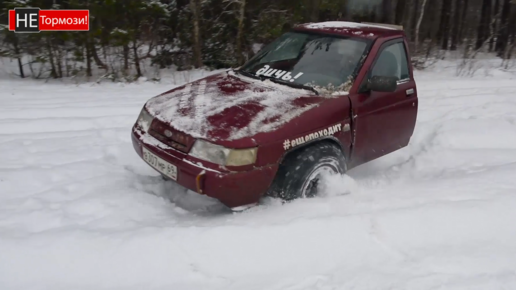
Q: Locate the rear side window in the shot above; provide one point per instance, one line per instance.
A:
(392, 62)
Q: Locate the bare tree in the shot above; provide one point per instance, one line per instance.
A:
(463, 19)
(50, 55)
(95, 55)
(418, 25)
(195, 7)
(400, 11)
(485, 20)
(88, 58)
(496, 24)
(444, 28)
(136, 59)
(456, 25)
(241, 16)
(387, 14)
(13, 38)
(512, 35)
(503, 32)
(313, 10)
(413, 18)
(410, 18)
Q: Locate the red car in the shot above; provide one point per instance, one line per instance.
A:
(322, 98)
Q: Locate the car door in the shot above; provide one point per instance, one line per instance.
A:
(384, 122)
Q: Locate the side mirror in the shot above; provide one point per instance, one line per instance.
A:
(383, 84)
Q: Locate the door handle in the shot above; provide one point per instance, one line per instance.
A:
(410, 92)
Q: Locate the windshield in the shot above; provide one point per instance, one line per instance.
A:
(309, 59)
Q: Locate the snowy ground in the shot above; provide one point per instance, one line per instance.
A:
(79, 209)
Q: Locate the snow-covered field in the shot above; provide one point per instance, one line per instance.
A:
(80, 210)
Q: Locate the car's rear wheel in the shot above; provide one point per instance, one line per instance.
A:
(300, 174)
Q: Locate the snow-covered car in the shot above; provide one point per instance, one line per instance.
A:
(322, 98)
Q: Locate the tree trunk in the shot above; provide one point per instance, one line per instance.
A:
(67, 67)
(88, 60)
(496, 24)
(53, 72)
(400, 12)
(456, 25)
(387, 14)
(410, 10)
(463, 20)
(195, 7)
(418, 25)
(485, 21)
(18, 55)
(136, 60)
(512, 34)
(413, 20)
(126, 57)
(95, 56)
(20, 67)
(503, 32)
(59, 64)
(434, 13)
(312, 9)
(240, 56)
(444, 26)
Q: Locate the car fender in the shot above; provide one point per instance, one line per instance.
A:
(331, 139)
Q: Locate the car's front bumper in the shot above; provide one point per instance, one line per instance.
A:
(232, 188)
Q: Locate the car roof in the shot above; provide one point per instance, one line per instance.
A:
(343, 28)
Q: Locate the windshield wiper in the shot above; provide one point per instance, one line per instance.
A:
(294, 85)
(248, 74)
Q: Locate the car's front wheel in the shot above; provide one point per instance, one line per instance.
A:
(300, 174)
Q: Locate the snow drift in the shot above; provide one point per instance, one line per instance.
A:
(80, 210)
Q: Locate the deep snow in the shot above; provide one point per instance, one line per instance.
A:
(80, 210)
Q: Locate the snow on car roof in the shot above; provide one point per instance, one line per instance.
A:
(368, 30)
(345, 24)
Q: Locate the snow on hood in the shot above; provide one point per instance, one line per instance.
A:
(227, 107)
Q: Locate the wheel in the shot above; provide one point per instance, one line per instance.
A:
(300, 173)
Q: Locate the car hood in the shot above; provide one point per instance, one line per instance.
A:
(229, 107)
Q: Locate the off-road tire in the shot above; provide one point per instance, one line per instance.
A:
(300, 166)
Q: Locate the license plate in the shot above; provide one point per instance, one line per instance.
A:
(160, 164)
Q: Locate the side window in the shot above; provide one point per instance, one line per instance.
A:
(392, 62)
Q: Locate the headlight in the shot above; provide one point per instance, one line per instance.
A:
(144, 120)
(223, 156)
